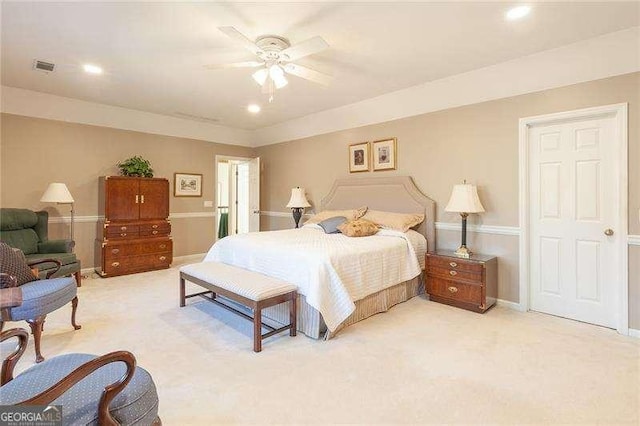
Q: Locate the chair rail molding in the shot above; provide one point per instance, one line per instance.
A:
(633, 240)
(94, 219)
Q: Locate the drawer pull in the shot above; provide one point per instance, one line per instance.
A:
(163, 257)
(115, 264)
(115, 251)
(452, 289)
(453, 264)
(124, 234)
(163, 246)
(453, 273)
(154, 232)
(154, 226)
(123, 228)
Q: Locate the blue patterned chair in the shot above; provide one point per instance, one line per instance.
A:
(39, 297)
(107, 390)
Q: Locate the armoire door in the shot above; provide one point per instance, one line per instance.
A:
(122, 199)
(154, 199)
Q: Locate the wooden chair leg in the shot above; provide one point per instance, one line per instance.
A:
(78, 276)
(74, 307)
(36, 330)
(293, 315)
(257, 329)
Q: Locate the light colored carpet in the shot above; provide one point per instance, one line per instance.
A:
(421, 362)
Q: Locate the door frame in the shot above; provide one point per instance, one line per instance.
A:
(620, 113)
(219, 158)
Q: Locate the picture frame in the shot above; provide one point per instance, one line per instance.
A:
(359, 157)
(384, 154)
(187, 185)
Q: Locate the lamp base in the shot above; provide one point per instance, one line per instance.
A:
(297, 214)
(463, 251)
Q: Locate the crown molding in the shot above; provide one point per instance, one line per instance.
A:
(43, 105)
(592, 59)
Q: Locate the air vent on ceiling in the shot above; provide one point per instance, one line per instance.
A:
(197, 117)
(43, 66)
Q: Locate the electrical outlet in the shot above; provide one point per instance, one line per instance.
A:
(208, 203)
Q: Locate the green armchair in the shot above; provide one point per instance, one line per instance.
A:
(28, 231)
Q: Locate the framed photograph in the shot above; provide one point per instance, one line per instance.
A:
(187, 185)
(359, 157)
(384, 154)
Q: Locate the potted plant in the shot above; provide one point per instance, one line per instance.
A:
(136, 166)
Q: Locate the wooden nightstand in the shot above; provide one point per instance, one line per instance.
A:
(466, 283)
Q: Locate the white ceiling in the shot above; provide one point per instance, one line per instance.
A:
(153, 53)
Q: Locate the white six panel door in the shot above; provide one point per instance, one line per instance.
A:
(573, 205)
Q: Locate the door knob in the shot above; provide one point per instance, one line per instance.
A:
(608, 232)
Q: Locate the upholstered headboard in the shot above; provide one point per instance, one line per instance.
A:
(397, 194)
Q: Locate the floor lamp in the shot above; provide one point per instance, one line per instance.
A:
(59, 193)
(297, 203)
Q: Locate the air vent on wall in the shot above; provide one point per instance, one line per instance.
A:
(43, 66)
(197, 117)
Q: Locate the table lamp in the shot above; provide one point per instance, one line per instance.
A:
(297, 203)
(59, 193)
(464, 200)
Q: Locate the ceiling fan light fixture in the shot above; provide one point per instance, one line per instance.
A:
(280, 82)
(260, 76)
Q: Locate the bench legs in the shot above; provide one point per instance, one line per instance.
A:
(257, 329)
(293, 314)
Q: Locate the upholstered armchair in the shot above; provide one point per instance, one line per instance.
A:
(28, 231)
(108, 390)
(38, 297)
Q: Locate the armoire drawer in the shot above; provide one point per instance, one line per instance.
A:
(117, 251)
(140, 263)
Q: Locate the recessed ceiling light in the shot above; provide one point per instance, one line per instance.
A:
(253, 108)
(92, 69)
(517, 12)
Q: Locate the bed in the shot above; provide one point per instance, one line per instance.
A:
(342, 280)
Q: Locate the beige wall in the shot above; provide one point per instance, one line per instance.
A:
(476, 142)
(35, 152)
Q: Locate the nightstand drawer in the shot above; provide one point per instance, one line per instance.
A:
(453, 264)
(453, 274)
(454, 290)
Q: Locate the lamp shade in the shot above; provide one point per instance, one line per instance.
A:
(57, 193)
(298, 199)
(464, 199)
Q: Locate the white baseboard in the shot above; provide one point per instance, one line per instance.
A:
(509, 304)
(634, 333)
(189, 258)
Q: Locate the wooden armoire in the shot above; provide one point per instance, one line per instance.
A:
(135, 235)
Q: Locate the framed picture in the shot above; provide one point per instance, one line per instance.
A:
(187, 185)
(359, 157)
(384, 154)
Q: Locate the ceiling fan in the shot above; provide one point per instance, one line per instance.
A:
(276, 56)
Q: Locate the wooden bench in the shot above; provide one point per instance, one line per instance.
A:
(251, 289)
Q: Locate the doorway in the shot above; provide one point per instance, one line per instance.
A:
(238, 195)
(573, 215)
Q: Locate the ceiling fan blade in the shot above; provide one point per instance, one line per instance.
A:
(246, 64)
(241, 38)
(309, 47)
(308, 74)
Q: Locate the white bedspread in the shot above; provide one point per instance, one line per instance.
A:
(331, 270)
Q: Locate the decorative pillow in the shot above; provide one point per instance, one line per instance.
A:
(330, 225)
(358, 228)
(349, 214)
(398, 221)
(13, 262)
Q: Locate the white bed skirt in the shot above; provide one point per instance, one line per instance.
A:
(310, 320)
